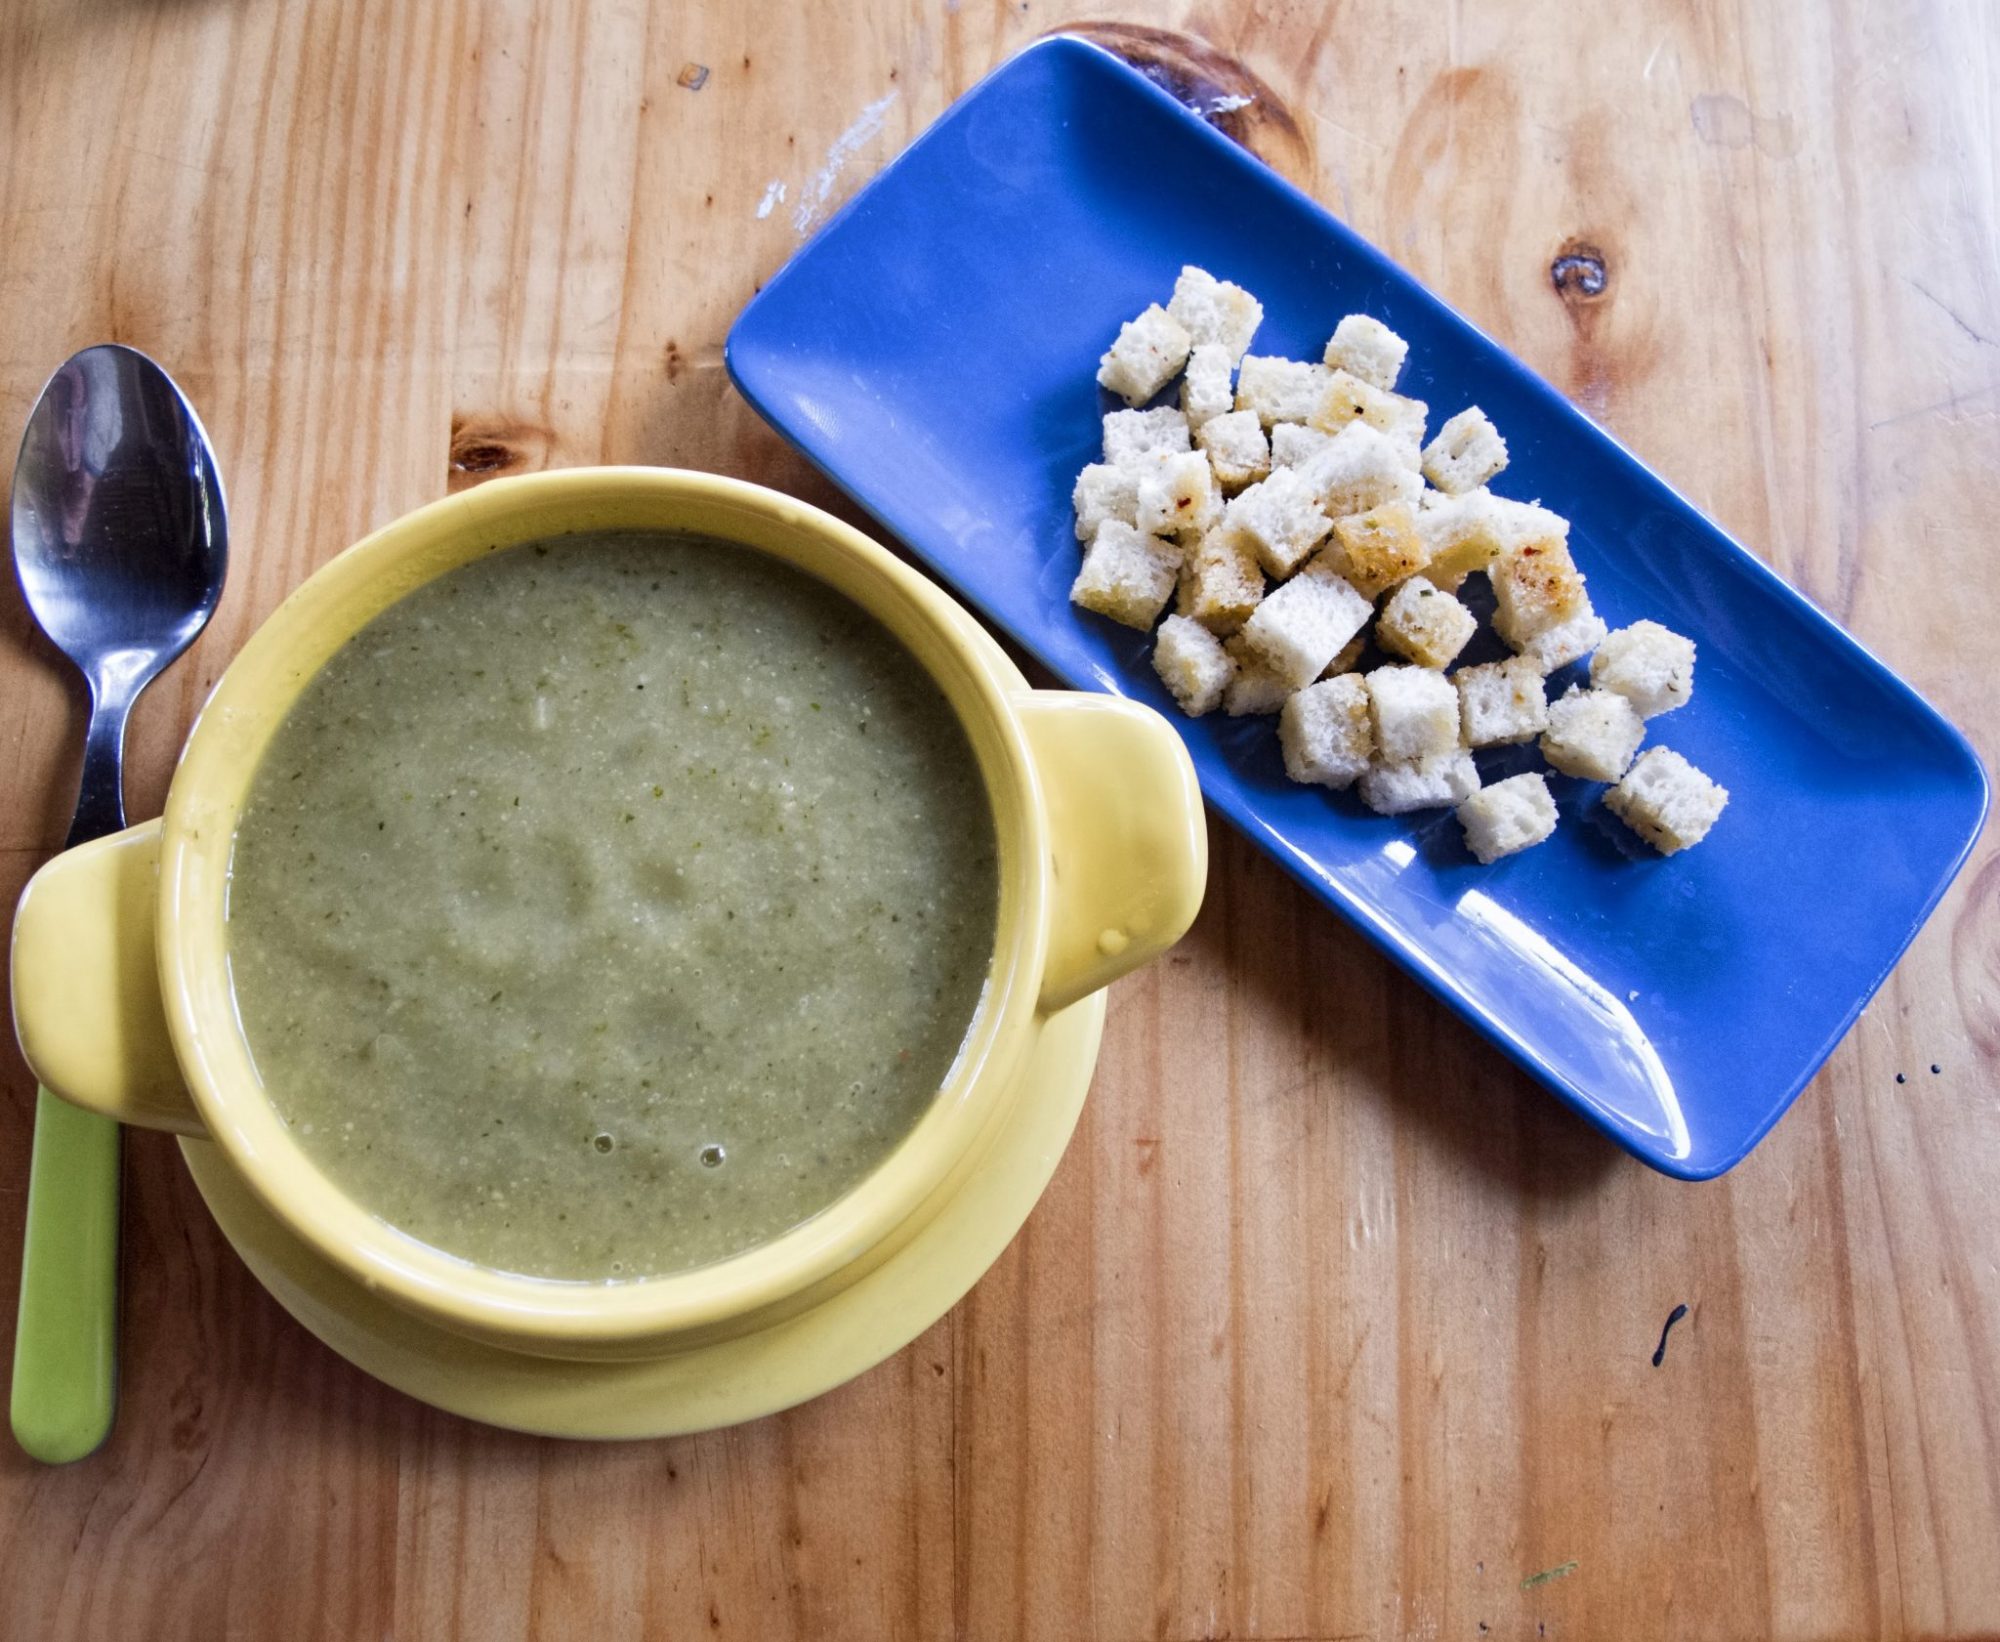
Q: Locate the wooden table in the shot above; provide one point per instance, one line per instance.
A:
(1332, 1324)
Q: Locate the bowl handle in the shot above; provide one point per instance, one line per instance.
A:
(87, 987)
(1126, 833)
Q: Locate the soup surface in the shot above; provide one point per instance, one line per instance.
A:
(611, 904)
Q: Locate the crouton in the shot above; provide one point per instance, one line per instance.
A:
(1348, 657)
(1423, 623)
(1206, 389)
(1396, 789)
(1508, 817)
(1177, 497)
(1501, 702)
(1126, 575)
(1358, 469)
(1535, 587)
(1467, 451)
(1326, 734)
(1649, 665)
(1192, 664)
(1344, 399)
(1257, 687)
(1366, 348)
(1220, 583)
(1415, 713)
(1132, 436)
(1592, 734)
(1104, 492)
(1461, 534)
(1293, 442)
(1377, 549)
(1301, 626)
(1214, 311)
(1667, 801)
(1567, 641)
(1279, 390)
(1517, 524)
(1148, 354)
(1236, 449)
(1281, 521)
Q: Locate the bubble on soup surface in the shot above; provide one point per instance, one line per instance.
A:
(603, 1142)
(712, 1156)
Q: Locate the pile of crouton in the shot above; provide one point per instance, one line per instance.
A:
(1294, 514)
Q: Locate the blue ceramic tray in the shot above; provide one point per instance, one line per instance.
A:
(933, 350)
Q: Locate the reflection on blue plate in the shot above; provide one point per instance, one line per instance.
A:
(933, 350)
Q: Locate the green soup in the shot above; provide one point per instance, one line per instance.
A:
(610, 905)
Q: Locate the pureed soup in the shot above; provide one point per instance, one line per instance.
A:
(611, 904)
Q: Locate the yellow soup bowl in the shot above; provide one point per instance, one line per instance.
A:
(121, 985)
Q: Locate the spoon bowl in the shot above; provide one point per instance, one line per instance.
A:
(117, 519)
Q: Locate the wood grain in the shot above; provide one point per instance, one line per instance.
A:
(1331, 1324)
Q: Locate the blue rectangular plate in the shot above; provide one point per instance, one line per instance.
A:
(933, 350)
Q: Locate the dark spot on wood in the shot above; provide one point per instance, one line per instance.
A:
(1218, 87)
(714, 1618)
(676, 361)
(693, 76)
(483, 449)
(1673, 1317)
(1323, 1514)
(1579, 272)
(1149, 1153)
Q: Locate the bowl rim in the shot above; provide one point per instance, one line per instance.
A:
(252, 698)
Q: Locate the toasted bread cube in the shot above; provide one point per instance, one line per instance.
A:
(1347, 658)
(1177, 497)
(1427, 625)
(1257, 687)
(1301, 626)
(1212, 310)
(1377, 549)
(1345, 399)
(1279, 390)
(1415, 712)
(1206, 390)
(1220, 583)
(1236, 449)
(1667, 801)
(1192, 664)
(1358, 469)
(1149, 352)
(1467, 451)
(1502, 702)
(1535, 587)
(1396, 789)
(1104, 492)
(1133, 436)
(1365, 347)
(1281, 521)
(1508, 817)
(1649, 665)
(1567, 641)
(1517, 524)
(1461, 533)
(1592, 734)
(1126, 575)
(1325, 733)
(1293, 442)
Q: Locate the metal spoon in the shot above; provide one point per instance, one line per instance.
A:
(120, 544)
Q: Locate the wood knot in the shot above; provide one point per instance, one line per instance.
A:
(1211, 83)
(482, 450)
(1579, 272)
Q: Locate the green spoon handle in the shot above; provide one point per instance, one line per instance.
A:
(65, 1346)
